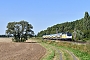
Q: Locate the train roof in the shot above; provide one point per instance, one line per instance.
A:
(59, 33)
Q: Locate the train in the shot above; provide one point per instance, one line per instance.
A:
(58, 36)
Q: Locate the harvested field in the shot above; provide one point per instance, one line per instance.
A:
(5, 39)
(20, 51)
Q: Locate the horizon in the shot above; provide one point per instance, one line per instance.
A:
(41, 14)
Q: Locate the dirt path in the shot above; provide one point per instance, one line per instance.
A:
(74, 57)
(21, 51)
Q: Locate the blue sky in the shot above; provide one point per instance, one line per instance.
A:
(41, 13)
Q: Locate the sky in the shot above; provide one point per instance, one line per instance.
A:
(41, 13)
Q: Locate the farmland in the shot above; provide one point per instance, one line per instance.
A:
(20, 51)
(38, 49)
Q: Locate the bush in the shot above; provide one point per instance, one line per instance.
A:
(23, 40)
(13, 40)
(18, 40)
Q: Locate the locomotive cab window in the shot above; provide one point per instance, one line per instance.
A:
(69, 34)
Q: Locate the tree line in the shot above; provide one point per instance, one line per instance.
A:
(6, 36)
(80, 29)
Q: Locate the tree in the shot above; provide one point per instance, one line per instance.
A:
(77, 35)
(86, 21)
(20, 30)
(82, 25)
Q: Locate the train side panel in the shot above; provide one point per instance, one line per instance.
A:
(58, 36)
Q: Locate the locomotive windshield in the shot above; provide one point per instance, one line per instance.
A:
(69, 34)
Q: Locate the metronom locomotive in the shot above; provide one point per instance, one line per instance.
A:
(58, 36)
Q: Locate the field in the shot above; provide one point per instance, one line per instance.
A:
(38, 49)
(61, 50)
(20, 51)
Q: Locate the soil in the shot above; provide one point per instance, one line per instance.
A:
(20, 51)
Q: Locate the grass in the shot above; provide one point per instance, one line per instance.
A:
(50, 53)
(49, 56)
(81, 55)
(76, 49)
(67, 55)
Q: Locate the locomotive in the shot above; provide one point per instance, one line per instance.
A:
(64, 36)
